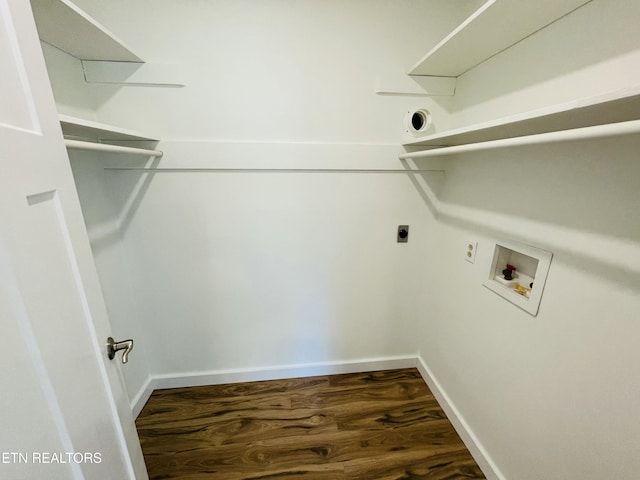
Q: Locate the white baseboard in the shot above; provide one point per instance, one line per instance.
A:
(472, 443)
(138, 402)
(217, 377)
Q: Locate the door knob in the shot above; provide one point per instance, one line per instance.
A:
(113, 347)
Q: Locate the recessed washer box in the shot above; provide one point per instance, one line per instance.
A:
(530, 268)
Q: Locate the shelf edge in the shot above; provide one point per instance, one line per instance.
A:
(583, 133)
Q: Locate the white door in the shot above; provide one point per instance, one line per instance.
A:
(64, 412)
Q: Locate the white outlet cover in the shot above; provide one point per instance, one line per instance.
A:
(470, 251)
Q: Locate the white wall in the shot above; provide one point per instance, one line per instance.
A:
(553, 396)
(251, 271)
(247, 271)
(278, 70)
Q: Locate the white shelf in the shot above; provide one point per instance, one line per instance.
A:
(495, 26)
(78, 128)
(612, 107)
(62, 24)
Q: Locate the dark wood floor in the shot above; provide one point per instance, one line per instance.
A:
(367, 426)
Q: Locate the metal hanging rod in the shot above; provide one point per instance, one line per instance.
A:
(268, 170)
(104, 147)
(583, 133)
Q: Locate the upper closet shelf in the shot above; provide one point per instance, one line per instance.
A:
(78, 128)
(613, 107)
(62, 24)
(495, 26)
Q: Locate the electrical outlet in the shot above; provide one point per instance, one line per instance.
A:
(470, 254)
(403, 233)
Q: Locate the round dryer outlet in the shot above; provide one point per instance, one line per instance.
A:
(417, 122)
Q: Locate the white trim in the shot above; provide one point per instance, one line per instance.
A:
(139, 401)
(482, 458)
(217, 377)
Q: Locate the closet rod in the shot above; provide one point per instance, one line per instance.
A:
(266, 170)
(103, 147)
(583, 133)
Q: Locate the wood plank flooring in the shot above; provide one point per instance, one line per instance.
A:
(367, 426)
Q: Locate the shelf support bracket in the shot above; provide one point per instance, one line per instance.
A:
(404, 85)
(131, 74)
